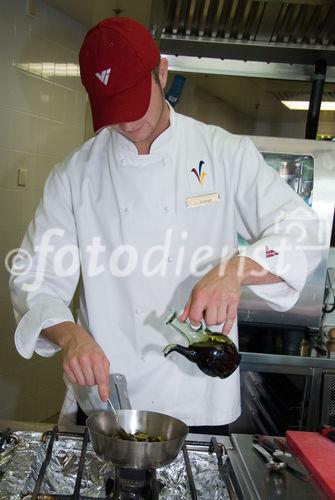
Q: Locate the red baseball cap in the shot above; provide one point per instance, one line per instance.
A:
(116, 59)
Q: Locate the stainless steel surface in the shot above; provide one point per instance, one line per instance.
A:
(313, 368)
(254, 69)
(137, 455)
(253, 361)
(291, 462)
(262, 484)
(308, 310)
(297, 31)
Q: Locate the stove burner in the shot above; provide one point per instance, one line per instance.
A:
(7, 437)
(135, 484)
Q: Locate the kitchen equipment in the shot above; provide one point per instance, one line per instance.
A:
(311, 163)
(119, 429)
(89, 400)
(318, 455)
(38, 462)
(270, 463)
(287, 458)
(214, 354)
(133, 454)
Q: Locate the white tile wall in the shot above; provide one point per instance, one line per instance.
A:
(42, 120)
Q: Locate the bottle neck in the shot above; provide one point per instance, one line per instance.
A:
(184, 328)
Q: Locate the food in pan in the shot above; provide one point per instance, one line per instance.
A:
(140, 437)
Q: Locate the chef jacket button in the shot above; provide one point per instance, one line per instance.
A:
(170, 259)
(123, 161)
(163, 162)
(167, 209)
(138, 311)
(126, 210)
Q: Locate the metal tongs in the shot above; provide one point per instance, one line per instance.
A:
(270, 463)
(280, 456)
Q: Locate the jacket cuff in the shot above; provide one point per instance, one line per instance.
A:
(279, 255)
(41, 315)
(279, 296)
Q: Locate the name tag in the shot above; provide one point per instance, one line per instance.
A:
(206, 199)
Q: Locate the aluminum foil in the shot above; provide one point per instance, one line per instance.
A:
(20, 465)
(15, 464)
(209, 485)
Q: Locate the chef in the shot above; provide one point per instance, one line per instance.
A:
(147, 213)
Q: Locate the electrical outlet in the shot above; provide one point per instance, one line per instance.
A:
(22, 176)
(31, 7)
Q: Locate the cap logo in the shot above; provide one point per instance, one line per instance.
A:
(104, 75)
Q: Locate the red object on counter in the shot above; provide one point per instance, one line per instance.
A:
(328, 432)
(317, 454)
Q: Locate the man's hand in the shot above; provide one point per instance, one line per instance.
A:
(215, 298)
(84, 362)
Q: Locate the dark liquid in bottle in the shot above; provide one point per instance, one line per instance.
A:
(216, 359)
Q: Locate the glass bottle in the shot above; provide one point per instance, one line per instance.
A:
(215, 354)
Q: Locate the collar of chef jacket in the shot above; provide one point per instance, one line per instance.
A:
(128, 149)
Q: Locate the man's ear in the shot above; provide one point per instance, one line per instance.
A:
(163, 71)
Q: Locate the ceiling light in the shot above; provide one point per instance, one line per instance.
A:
(50, 69)
(304, 105)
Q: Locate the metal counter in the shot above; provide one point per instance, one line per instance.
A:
(279, 363)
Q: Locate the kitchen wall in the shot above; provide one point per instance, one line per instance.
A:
(42, 120)
(204, 106)
(294, 128)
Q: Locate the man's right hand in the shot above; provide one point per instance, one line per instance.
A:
(84, 362)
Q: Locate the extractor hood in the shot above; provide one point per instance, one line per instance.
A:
(293, 32)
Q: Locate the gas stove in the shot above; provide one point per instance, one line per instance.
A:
(63, 465)
(37, 462)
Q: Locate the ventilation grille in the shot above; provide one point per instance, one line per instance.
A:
(328, 401)
(294, 22)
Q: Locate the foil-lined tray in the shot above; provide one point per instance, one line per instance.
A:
(20, 465)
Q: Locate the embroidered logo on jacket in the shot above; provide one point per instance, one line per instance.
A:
(269, 252)
(104, 76)
(199, 173)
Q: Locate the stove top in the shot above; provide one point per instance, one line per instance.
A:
(62, 465)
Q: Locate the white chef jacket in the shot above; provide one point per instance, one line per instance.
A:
(134, 207)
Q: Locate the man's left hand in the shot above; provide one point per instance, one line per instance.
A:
(215, 297)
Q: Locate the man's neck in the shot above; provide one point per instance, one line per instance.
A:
(143, 148)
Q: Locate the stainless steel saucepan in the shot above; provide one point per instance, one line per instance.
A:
(102, 426)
